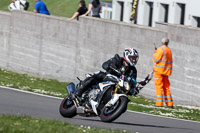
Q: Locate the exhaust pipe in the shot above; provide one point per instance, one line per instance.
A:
(80, 110)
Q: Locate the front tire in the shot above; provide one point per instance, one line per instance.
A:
(109, 114)
(67, 108)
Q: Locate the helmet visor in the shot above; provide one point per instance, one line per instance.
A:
(133, 59)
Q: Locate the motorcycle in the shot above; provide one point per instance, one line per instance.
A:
(108, 99)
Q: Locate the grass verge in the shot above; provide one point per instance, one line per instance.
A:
(55, 88)
(25, 124)
(141, 104)
(30, 83)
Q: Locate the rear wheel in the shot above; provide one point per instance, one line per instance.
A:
(109, 114)
(67, 108)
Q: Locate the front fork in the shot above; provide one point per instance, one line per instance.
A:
(114, 92)
(115, 97)
(76, 102)
(74, 99)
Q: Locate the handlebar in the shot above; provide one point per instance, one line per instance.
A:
(141, 84)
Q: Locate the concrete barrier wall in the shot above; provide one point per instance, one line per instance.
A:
(5, 20)
(51, 47)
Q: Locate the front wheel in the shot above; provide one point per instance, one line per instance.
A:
(109, 114)
(67, 108)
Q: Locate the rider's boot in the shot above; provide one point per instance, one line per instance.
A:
(82, 86)
(78, 93)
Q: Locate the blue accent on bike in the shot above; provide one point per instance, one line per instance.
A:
(105, 83)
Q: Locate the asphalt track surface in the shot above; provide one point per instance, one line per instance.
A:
(13, 101)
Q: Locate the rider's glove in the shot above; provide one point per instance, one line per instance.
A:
(143, 83)
(134, 91)
(133, 81)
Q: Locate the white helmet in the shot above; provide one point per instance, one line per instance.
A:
(131, 56)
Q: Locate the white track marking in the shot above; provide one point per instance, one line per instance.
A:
(163, 116)
(29, 92)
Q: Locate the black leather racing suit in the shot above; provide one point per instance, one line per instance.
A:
(115, 63)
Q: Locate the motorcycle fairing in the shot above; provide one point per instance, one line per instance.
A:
(114, 99)
(94, 106)
(104, 84)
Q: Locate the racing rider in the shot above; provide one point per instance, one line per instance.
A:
(116, 66)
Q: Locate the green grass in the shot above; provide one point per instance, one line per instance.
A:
(65, 8)
(30, 83)
(55, 88)
(4, 5)
(25, 124)
(141, 104)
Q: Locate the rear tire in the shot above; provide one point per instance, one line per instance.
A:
(109, 114)
(67, 108)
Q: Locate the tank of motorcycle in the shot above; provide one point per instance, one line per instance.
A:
(71, 88)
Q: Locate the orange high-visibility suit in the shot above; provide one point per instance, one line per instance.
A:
(162, 69)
